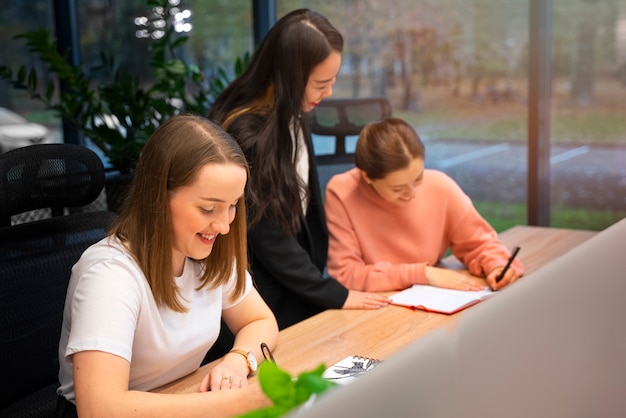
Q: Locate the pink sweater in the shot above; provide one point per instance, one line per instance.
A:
(375, 245)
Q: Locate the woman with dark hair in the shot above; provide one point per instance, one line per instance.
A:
(144, 304)
(391, 221)
(291, 72)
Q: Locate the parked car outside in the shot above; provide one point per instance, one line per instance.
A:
(16, 131)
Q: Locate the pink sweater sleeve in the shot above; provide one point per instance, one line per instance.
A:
(473, 240)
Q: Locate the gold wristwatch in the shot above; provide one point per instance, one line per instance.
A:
(250, 358)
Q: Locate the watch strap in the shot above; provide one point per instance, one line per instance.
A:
(245, 355)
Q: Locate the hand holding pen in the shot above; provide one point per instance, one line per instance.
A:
(512, 276)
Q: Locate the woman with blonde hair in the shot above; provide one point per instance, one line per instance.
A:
(144, 304)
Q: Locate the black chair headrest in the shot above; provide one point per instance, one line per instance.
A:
(48, 176)
(348, 116)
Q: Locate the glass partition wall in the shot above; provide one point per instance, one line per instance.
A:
(588, 124)
(18, 17)
(456, 69)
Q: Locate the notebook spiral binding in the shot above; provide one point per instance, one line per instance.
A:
(350, 367)
(369, 362)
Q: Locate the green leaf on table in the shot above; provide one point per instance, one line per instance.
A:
(286, 392)
(276, 383)
(314, 382)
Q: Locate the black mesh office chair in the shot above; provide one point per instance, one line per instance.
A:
(344, 117)
(35, 264)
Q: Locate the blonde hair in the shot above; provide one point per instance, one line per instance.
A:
(171, 159)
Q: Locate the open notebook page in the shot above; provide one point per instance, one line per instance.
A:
(438, 299)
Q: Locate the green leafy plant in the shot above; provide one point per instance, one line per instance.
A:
(287, 393)
(112, 106)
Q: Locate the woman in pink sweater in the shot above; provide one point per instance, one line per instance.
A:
(391, 221)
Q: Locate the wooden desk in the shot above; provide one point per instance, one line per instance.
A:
(332, 335)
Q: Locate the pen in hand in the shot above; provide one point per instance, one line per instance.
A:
(508, 264)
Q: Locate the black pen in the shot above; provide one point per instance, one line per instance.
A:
(267, 353)
(508, 264)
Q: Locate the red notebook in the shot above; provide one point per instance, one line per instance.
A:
(437, 299)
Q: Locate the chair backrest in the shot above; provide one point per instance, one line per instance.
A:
(48, 176)
(344, 117)
(35, 264)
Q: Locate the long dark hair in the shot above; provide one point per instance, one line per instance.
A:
(258, 107)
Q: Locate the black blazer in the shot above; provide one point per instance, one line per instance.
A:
(289, 270)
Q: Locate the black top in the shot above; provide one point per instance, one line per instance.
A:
(288, 270)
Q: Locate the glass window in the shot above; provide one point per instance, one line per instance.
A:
(457, 70)
(588, 140)
(218, 34)
(23, 121)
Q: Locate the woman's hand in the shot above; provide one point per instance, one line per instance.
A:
(252, 322)
(365, 300)
(510, 276)
(230, 373)
(451, 279)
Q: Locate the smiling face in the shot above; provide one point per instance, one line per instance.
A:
(203, 210)
(321, 80)
(399, 187)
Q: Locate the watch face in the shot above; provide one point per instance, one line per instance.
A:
(252, 361)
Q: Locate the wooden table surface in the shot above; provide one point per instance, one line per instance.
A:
(334, 334)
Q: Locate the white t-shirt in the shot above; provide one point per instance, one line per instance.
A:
(109, 307)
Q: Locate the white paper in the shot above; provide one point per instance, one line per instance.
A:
(437, 298)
